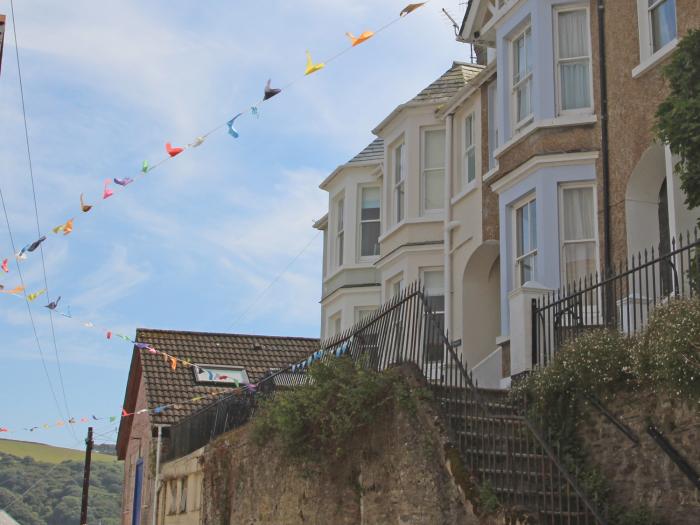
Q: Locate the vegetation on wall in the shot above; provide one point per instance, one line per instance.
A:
(317, 420)
(678, 117)
(664, 360)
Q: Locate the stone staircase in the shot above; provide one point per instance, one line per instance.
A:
(499, 447)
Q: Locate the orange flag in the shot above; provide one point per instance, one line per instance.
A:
(65, 228)
(356, 41)
(173, 363)
(16, 290)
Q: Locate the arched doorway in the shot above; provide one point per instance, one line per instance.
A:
(481, 303)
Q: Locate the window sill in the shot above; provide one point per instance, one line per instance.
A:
(468, 190)
(407, 222)
(650, 61)
(576, 119)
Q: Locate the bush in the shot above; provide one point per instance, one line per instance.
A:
(318, 420)
(667, 356)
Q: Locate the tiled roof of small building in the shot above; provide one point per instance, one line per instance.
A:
(374, 152)
(449, 82)
(164, 386)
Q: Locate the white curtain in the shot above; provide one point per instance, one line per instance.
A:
(663, 23)
(579, 214)
(574, 59)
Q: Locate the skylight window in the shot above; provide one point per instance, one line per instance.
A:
(220, 375)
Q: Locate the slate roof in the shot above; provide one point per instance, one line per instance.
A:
(448, 83)
(257, 354)
(374, 152)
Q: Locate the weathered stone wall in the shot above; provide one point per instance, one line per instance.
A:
(644, 475)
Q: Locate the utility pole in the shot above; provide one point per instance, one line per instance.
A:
(86, 477)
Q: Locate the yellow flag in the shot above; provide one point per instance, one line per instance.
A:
(33, 296)
(310, 66)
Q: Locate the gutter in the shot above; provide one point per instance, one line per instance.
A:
(602, 71)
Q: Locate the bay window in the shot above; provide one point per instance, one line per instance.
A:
(662, 22)
(433, 171)
(522, 78)
(369, 222)
(399, 183)
(525, 241)
(573, 59)
(577, 232)
(469, 150)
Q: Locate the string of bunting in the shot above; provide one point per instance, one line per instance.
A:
(251, 388)
(67, 227)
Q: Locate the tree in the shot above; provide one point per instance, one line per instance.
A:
(678, 117)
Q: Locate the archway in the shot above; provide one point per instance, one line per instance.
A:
(643, 197)
(481, 303)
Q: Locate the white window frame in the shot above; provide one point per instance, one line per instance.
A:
(647, 56)
(469, 121)
(361, 221)
(558, 61)
(423, 172)
(650, 32)
(515, 86)
(562, 243)
(492, 105)
(392, 286)
(339, 234)
(332, 320)
(362, 312)
(398, 192)
(517, 259)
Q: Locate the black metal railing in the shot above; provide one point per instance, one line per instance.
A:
(497, 443)
(623, 301)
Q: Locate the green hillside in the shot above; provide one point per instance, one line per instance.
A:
(47, 453)
(42, 493)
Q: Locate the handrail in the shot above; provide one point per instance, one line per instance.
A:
(621, 426)
(675, 456)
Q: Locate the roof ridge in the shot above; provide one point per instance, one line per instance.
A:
(226, 334)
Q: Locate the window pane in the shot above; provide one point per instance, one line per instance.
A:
(523, 101)
(523, 230)
(578, 213)
(493, 133)
(533, 225)
(434, 149)
(370, 203)
(573, 34)
(398, 163)
(370, 238)
(579, 260)
(663, 23)
(341, 237)
(468, 131)
(434, 282)
(434, 190)
(575, 85)
(341, 206)
(471, 165)
(399, 203)
(527, 268)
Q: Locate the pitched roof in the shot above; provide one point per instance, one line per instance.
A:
(374, 152)
(164, 386)
(448, 83)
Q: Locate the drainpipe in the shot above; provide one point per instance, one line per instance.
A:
(154, 499)
(602, 71)
(447, 264)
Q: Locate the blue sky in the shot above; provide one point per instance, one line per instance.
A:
(192, 245)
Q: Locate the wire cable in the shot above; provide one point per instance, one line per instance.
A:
(272, 283)
(36, 214)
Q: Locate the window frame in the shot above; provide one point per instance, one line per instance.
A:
(398, 192)
(360, 221)
(492, 122)
(558, 61)
(336, 318)
(339, 233)
(469, 123)
(368, 310)
(517, 259)
(560, 212)
(182, 502)
(423, 171)
(515, 86)
(650, 23)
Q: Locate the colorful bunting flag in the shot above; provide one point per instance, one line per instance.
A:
(33, 246)
(5, 267)
(144, 167)
(112, 419)
(356, 41)
(107, 191)
(173, 151)
(123, 182)
(197, 142)
(270, 91)
(66, 228)
(85, 207)
(53, 304)
(32, 296)
(255, 111)
(231, 130)
(109, 334)
(410, 8)
(16, 290)
(311, 67)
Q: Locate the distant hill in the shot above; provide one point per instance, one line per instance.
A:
(48, 493)
(48, 453)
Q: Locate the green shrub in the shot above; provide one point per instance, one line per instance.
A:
(318, 420)
(667, 356)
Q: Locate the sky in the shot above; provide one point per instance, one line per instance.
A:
(201, 243)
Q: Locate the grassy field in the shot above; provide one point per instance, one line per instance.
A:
(47, 453)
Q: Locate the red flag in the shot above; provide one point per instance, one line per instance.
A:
(124, 413)
(109, 334)
(172, 151)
